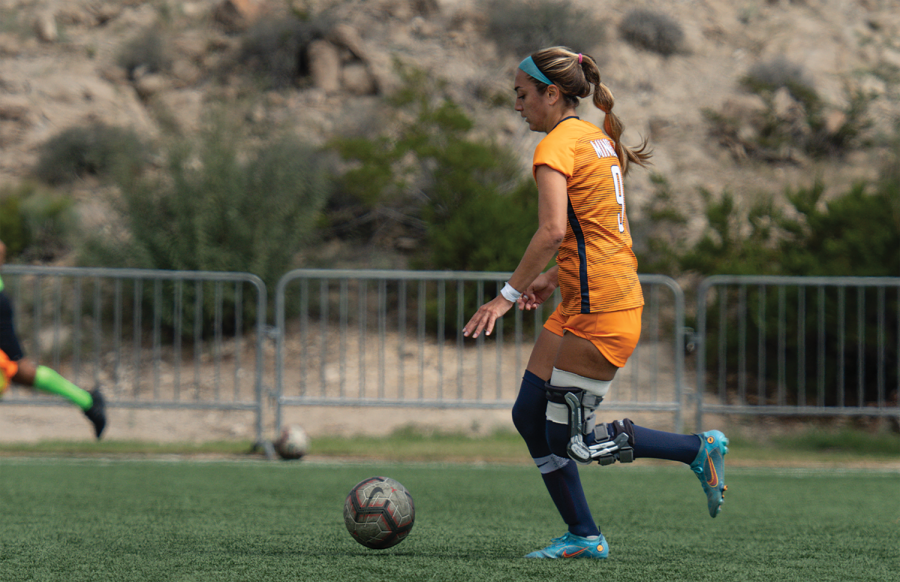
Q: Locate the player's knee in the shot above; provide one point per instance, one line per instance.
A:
(524, 420)
(528, 412)
(558, 438)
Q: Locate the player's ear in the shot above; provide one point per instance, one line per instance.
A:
(553, 94)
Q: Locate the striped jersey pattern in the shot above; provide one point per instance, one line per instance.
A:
(597, 268)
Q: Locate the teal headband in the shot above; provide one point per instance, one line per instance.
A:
(534, 72)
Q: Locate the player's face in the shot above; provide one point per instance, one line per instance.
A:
(530, 103)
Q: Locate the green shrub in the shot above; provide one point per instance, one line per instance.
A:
(850, 134)
(93, 149)
(658, 236)
(147, 52)
(220, 206)
(430, 181)
(653, 31)
(35, 224)
(466, 202)
(12, 227)
(855, 234)
(776, 135)
(769, 76)
(522, 27)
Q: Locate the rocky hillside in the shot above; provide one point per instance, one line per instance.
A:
(62, 63)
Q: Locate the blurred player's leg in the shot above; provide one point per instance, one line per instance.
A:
(48, 380)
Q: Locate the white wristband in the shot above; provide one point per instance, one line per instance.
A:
(509, 293)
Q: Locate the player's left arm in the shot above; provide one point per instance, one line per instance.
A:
(552, 220)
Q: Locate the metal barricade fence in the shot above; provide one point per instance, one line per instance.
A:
(194, 340)
(798, 346)
(394, 338)
(150, 338)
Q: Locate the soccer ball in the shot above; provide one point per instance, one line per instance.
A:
(379, 512)
(292, 443)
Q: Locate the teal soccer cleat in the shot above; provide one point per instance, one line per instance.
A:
(572, 546)
(710, 468)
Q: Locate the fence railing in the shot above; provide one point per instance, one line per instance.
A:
(394, 338)
(195, 340)
(798, 346)
(152, 339)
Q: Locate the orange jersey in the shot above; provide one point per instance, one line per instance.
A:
(597, 268)
(8, 369)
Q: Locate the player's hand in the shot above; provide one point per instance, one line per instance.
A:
(538, 292)
(487, 314)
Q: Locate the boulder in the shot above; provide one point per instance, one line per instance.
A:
(9, 44)
(357, 79)
(185, 72)
(45, 26)
(15, 108)
(150, 84)
(834, 121)
(325, 66)
(238, 15)
(344, 35)
(785, 106)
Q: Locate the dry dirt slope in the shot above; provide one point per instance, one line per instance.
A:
(73, 76)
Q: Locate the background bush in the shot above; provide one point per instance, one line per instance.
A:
(466, 200)
(92, 149)
(854, 234)
(522, 27)
(221, 205)
(35, 224)
(779, 72)
(789, 129)
(146, 52)
(653, 31)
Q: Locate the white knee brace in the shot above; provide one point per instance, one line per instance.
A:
(589, 391)
(572, 400)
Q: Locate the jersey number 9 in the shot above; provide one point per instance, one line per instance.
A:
(620, 194)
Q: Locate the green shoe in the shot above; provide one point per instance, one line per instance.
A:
(710, 468)
(572, 546)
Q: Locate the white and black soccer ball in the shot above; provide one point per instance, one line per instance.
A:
(292, 442)
(379, 512)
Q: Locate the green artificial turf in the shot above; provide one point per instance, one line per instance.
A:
(188, 520)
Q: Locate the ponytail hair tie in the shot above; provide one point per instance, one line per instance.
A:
(579, 58)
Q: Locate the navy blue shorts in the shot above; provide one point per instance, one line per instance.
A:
(9, 342)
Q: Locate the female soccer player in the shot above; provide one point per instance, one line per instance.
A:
(579, 170)
(16, 367)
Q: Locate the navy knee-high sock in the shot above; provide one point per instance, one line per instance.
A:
(656, 444)
(564, 485)
(559, 473)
